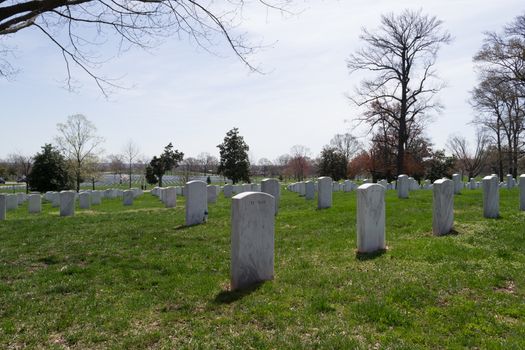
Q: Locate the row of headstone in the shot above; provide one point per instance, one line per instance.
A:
(198, 195)
(13, 201)
(240, 188)
(65, 200)
(167, 195)
(472, 184)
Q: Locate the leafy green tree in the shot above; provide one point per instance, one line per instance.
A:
(158, 166)
(151, 178)
(332, 163)
(439, 166)
(49, 172)
(234, 163)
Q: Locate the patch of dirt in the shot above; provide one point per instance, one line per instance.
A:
(509, 288)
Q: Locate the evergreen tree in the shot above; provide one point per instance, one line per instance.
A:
(49, 172)
(234, 163)
(150, 176)
(439, 166)
(158, 166)
(333, 164)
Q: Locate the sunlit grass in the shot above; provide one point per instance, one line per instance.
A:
(134, 277)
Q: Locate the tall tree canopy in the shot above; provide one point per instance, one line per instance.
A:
(332, 163)
(400, 55)
(50, 171)
(234, 163)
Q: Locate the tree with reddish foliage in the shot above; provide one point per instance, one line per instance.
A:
(299, 163)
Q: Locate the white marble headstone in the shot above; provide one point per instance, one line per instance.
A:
(458, 185)
(370, 218)
(127, 197)
(35, 203)
(170, 197)
(84, 200)
(324, 195)
(252, 239)
(3, 206)
(196, 202)
(402, 186)
(443, 207)
(309, 190)
(522, 191)
(211, 193)
(490, 197)
(11, 202)
(227, 190)
(96, 197)
(272, 187)
(67, 203)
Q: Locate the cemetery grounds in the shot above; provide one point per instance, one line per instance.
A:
(136, 278)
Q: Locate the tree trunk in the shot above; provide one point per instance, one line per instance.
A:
(78, 180)
(130, 175)
(509, 154)
(160, 181)
(500, 157)
(401, 148)
(515, 152)
(402, 115)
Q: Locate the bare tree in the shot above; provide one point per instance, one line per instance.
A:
(502, 54)
(189, 166)
(77, 27)
(142, 163)
(22, 165)
(281, 164)
(401, 54)
(500, 94)
(78, 140)
(347, 144)
(116, 164)
(471, 161)
(488, 100)
(265, 166)
(299, 161)
(208, 162)
(130, 153)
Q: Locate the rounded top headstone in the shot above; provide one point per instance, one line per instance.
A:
(371, 186)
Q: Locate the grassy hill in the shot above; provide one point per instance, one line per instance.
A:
(135, 278)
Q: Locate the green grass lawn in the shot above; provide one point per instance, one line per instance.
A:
(135, 278)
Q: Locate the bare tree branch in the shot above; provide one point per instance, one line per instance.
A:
(135, 23)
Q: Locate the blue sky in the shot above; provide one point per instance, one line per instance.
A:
(182, 94)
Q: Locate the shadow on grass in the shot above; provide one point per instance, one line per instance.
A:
(452, 232)
(228, 296)
(369, 256)
(182, 227)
